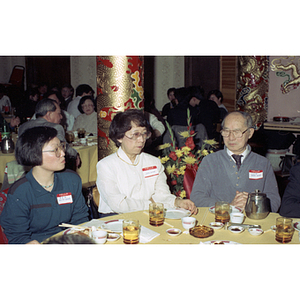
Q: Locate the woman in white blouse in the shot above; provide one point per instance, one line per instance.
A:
(88, 117)
(128, 180)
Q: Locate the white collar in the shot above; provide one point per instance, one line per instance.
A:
(244, 154)
(123, 156)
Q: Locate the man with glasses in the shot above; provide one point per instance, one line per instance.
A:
(234, 172)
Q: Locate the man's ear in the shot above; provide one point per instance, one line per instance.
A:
(47, 116)
(251, 132)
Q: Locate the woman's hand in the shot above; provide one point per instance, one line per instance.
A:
(186, 204)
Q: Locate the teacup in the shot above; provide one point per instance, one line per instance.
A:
(188, 222)
(99, 236)
(237, 217)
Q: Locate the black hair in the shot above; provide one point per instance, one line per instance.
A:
(44, 106)
(121, 123)
(83, 88)
(82, 100)
(217, 93)
(170, 90)
(30, 144)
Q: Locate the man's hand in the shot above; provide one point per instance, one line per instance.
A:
(186, 204)
(240, 200)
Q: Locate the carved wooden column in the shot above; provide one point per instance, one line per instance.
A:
(120, 82)
(252, 87)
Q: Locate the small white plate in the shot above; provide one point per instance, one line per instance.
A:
(78, 231)
(176, 213)
(233, 209)
(297, 226)
(255, 231)
(221, 243)
(113, 225)
(236, 229)
(111, 237)
(216, 225)
(173, 231)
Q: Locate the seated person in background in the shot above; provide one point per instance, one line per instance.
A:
(202, 111)
(15, 121)
(217, 97)
(47, 196)
(88, 117)
(67, 92)
(290, 204)
(173, 102)
(27, 109)
(219, 177)
(81, 91)
(4, 100)
(128, 180)
(48, 113)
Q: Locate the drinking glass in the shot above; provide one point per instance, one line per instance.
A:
(70, 137)
(284, 230)
(222, 211)
(156, 214)
(131, 231)
(81, 133)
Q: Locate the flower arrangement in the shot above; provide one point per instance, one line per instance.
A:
(181, 164)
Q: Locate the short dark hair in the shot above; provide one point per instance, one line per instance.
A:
(217, 93)
(121, 123)
(30, 144)
(82, 100)
(170, 90)
(83, 88)
(44, 106)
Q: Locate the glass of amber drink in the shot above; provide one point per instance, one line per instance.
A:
(284, 230)
(156, 214)
(131, 231)
(222, 211)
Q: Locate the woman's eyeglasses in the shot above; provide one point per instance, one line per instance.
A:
(136, 135)
(58, 149)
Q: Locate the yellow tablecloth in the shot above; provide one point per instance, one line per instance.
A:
(205, 217)
(89, 158)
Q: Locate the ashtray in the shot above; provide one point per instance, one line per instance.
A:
(201, 231)
(236, 229)
(255, 231)
(173, 231)
(216, 225)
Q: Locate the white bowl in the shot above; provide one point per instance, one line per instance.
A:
(173, 231)
(216, 225)
(255, 231)
(236, 229)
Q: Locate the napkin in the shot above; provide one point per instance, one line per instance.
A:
(147, 235)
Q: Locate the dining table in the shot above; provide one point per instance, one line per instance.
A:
(205, 216)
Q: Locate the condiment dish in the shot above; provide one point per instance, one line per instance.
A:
(216, 225)
(111, 237)
(173, 231)
(236, 229)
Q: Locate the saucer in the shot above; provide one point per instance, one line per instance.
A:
(236, 229)
(173, 231)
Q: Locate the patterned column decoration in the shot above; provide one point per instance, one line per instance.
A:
(120, 82)
(252, 87)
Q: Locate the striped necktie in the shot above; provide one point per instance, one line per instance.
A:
(238, 160)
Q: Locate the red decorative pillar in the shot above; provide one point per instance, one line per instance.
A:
(120, 82)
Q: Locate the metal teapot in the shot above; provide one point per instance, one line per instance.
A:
(7, 145)
(258, 205)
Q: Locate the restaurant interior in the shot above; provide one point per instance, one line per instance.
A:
(164, 72)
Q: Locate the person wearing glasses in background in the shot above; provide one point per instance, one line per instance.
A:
(47, 196)
(234, 172)
(129, 179)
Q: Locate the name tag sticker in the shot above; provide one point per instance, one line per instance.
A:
(64, 198)
(255, 174)
(150, 171)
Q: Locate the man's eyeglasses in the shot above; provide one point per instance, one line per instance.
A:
(236, 133)
(58, 149)
(136, 135)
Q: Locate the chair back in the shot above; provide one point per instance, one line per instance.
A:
(17, 76)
